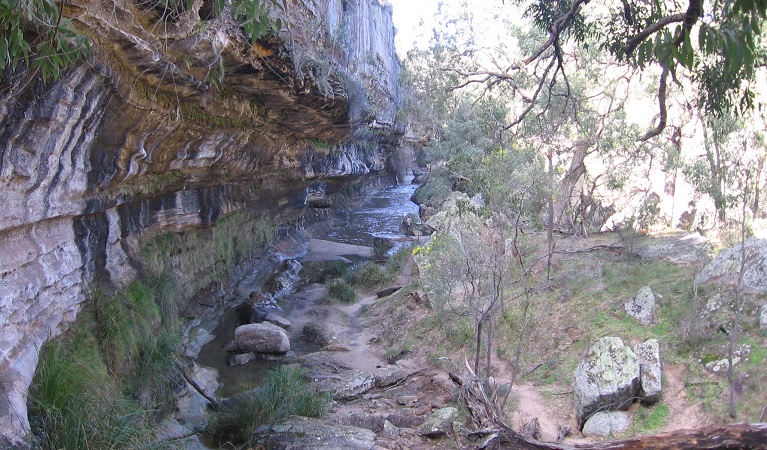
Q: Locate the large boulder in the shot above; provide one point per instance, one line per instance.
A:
(607, 379)
(301, 432)
(650, 370)
(642, 306)
(606, 423)
(261, 338)
(434, 189)
(726, 266)
(335, 377)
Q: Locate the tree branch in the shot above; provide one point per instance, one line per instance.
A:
(632, 43)
(662, 105)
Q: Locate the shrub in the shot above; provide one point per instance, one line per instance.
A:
(369, 275)
(100, 386)
(340, 290)
(284, 392)
(398, 260)
(334, 269)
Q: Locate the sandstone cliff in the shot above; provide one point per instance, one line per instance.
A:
(176, 122)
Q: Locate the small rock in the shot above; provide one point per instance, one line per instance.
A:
(407, 400)
(241, 359)
(317, 333)
(389, 430)
(439, 423)
(763, 319)
(348, 384)
(605, 423)
(650, 370)
(642, 306)
(280, 321)
(389, 375)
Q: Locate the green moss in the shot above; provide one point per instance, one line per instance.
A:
(222, 246)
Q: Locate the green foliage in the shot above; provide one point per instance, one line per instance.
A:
(397, 261)
(654, 420)
(253, 16)
(100, 388)
(369, 275)
(334, 269)
(34, 33)
(340, 290)
(284, 392)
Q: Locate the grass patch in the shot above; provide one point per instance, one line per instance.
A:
(284, 392)
(341, 291)
(397, 262)
(102, 384)
(652, 419)
(368, 275)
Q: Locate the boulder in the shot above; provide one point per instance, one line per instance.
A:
(642, 306)
(439, 423)
(335, 377)
(606, 423)
(347, 384)
(261, 338)
(301, 432)
(434, 189)
(390, 431)
(317, 333)
(650, 370)
(390, 374)
(725, 267)
(280, 321)
(607, 379)
(241, 359)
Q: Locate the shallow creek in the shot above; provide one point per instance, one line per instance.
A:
(378, 216)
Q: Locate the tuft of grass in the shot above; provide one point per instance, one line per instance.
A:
(655, 419)
(340, 290)
(369, 275)
(334, 269)
(284, 392)
(398, 260)
(101, 385)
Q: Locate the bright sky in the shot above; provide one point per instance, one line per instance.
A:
(408, 15)
(414, 19)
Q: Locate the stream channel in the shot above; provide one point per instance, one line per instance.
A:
(289, 295)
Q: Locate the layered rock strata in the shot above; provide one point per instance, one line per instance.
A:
(175, 124)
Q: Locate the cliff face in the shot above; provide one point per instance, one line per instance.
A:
(175, 123)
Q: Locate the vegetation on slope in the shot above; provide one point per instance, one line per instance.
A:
(102, 384)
